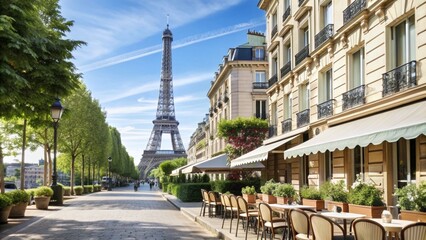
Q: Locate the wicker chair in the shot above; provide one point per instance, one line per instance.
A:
(228, 207)
(324, 228)
(414, 231)
(214, 202)
(245, 213)
(205, 203)
(300, 224)
(367, 229)
(269, 222)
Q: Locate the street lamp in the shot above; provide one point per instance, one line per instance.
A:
(109, 176)
(56, 111)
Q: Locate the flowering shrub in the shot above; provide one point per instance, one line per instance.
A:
(411, 197)
(365, 193)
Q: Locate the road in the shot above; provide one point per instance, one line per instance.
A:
(118, 214)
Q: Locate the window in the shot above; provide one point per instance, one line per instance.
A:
(303, 97)
(274, 117)
(287, 106)
(405, 162)
(305, 37)
(274, 20)
(260, 76)
(358, 157)
(287, 53)
(328, 157)
(259, 54)
(274, 66)
(403, 42)
(327, 13)
(326, 86)
(261, 109)
(286, 4)
(357, 71)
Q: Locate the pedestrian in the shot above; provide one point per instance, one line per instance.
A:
(151, 183)
(135, 186)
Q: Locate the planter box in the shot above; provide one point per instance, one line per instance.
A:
(318, 204)
(259, 196)
(42, 202)
(414, 216)
(18, 210)
(250, 198)
(369, 211)
(284, 200)
(269, 199)
(4, 214)
(330, 205)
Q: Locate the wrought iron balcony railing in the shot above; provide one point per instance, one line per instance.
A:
(325, 34)
(272, 80)
(286, 13)
(303, 118)
(302, 54)
(285, 69)
(301, 2)
(400, 78)
(353, 9)
(272, 131)
(260, 85)
(286, 125)
(354, 97)
(325, 109)
(274, 31)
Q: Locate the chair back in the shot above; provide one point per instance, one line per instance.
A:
(242, 204)
(414, 231)
(265, 212)
(323, 227)
(367, 229)
(234, 203)
(202, 195)
(226, 200)
(299, 222)
(206, 197)
(212, 197)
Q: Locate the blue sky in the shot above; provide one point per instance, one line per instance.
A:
(121, 63)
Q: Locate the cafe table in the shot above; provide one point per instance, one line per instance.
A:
(393, 228)
(285, 208)
(344, 216)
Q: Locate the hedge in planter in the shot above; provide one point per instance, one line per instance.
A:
(190, 192)
(234, 187)
(312, 197)
(366, 199)
(412, 201)
(20, 199)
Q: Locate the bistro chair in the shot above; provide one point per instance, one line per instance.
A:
(245, 213)
(414, 231)
(300, 224)
(367, 229)
(269, 222)
(205, 203)
(234, 209)
(324, 228)
(214, 202)
(228, 208)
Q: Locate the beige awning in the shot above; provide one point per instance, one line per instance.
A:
(178, 171)
(405, 122)
(216, 164)
(259, 154)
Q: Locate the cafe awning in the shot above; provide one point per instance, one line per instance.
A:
(178, 171)
(216, 164)
(404, 122)
(259, 154)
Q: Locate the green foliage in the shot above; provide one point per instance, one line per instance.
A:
(5, 200)
(88, 188)
(284, 190)
(78, 190)
(334, 191)
(310, 193)
(43, 191)
(248, 190)
(412, 197)
(30, 191)
(19, 196)
(188, 192)
(268, 187)
(233, 187)
(365, 194)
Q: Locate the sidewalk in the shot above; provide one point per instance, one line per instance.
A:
(212, 224)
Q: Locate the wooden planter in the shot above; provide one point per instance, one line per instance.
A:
(414, 216)
(318, 204)
(284, 200)
(4, 214)
(269, 198)
(259, 196)
(369, 211)
(330, 205)
(250, 198)
(18, 210)
(42, 202)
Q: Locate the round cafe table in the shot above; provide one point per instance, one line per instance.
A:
(344, 216)
(393, 228)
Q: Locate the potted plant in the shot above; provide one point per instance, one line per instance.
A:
(365, 198)
(78, 190)
(5, 206)
(20, 199)
(249, 194)
(312, 197)
(335, 195)
(412, 201)
(284, 193)
(42, 197)
(267, 191)
(31, 193)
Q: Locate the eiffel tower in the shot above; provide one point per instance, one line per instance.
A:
(165, 121)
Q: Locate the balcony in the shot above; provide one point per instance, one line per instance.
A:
(219, 103)
(400, 78)
(272, 80)
(302, 54)
(301, 2)
(274, 31)
(286, 125)
(286, 13)
(285, 69)
(260, 85)
(353, 97)
(353, 10)
(302, 118)
(325, 109)
(272, 131)
(325, 34)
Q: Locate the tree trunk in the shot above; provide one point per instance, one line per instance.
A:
(72, 174)
(45, 178)
(82, 170)
(1, 170)
(88, 173)
(24, 143)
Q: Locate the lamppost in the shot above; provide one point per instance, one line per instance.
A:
(56, 111)
(109, 175)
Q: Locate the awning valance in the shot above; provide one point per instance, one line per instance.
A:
(217, 164)
(259, 154)
(404, 122)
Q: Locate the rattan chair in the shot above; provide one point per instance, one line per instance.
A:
(228, 208)
(269, 222)
(205, 202)
(300, 224)
(324, 228)
(367, 229)
(414, 231)
(245, 213)
(215, 203)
